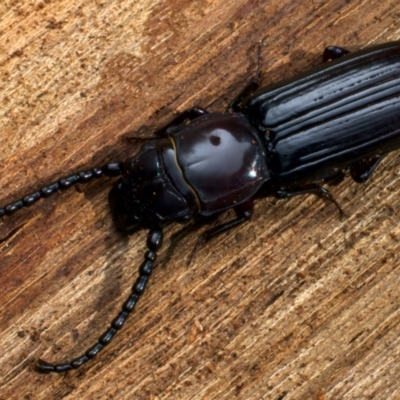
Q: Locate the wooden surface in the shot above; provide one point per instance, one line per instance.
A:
(297, 304)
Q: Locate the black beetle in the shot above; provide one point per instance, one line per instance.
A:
(282, 140)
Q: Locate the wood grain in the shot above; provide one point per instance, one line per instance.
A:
(296, 304)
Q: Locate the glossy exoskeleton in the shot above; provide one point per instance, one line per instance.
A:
(282, 140)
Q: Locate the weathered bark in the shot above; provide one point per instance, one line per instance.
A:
(296, 304)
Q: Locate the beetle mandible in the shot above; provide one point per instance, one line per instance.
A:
(282, 140)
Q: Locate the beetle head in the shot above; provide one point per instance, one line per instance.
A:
(126, 216)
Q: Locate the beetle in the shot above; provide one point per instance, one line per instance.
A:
(282, 140)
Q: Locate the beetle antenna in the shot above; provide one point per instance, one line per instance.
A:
(154, 243)
(111, 169)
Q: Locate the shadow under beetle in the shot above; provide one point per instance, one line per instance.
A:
(282, 140)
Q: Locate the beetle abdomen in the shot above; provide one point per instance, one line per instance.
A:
(344, 110)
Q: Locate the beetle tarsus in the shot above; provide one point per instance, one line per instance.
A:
(362, 170)
(333, 53)
(310, 189)
(243, 214)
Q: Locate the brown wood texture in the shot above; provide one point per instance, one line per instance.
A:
(296, 304)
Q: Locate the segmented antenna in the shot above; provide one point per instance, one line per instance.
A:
(111, 169)
(154, 243)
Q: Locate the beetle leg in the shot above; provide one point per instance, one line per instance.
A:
(189, 114)
(333, 53)
(243, 212)
(251, 87)
(154, 243)
(362, 170)
(112, 169)
(311, 188)
(335, 179)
